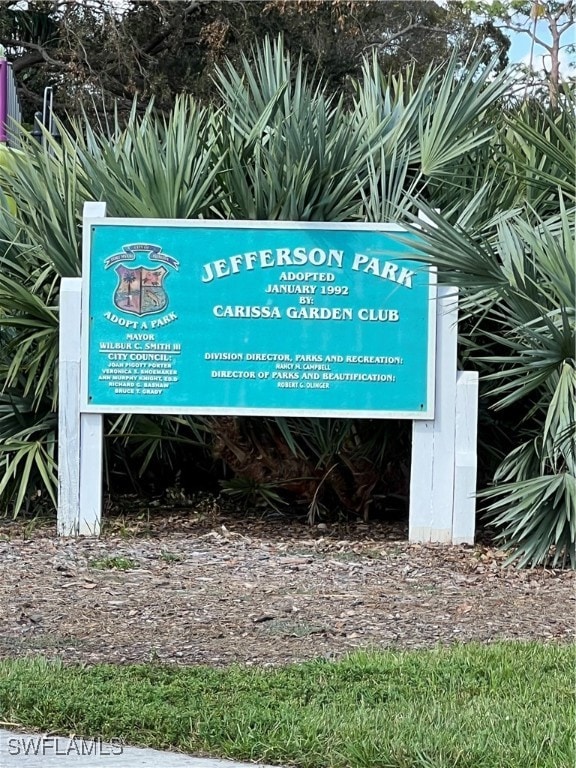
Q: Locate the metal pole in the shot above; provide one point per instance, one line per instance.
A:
(47, 107)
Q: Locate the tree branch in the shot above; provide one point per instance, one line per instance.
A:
(527, 32)
(153, 46)
(31, 59)
(566, 9)
(408, 28)
(38, 49)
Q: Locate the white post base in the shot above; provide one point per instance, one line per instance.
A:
(91, 446)
(80, 435)
(69, 407)
(443, 474)
(464, 514)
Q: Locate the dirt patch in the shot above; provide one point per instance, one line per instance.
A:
(192, 589)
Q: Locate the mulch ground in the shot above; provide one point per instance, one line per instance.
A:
(210, 588)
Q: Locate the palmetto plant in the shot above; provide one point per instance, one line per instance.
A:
(294, 153)
(517, 267)
(153, 166)
(533, 503)
(277, 146)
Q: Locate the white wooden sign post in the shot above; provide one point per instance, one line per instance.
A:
(80, 435)
(443, 467)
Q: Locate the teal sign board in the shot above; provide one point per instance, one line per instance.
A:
(265, 318)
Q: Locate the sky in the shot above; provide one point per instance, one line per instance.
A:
(519, 52)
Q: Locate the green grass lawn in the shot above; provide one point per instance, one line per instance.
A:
(506, 705)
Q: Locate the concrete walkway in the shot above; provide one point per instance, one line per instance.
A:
(20, 750)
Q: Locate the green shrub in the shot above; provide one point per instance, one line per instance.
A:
(279, 147)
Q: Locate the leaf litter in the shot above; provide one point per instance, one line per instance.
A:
(225, 588)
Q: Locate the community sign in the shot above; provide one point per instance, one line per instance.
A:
(256, 318)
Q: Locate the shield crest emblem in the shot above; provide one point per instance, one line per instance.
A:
(140, 291)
